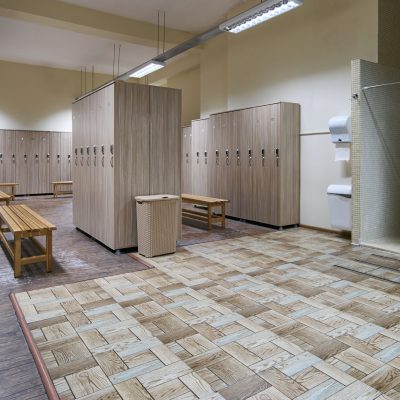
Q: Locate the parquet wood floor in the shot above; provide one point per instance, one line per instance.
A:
(269, 316)
(75, 258)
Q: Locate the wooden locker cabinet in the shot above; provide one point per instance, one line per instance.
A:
(129, 135)
(254, 162)
(200, 154)
(26, 157)
(7, 155)
(186, 160)
(225, 175)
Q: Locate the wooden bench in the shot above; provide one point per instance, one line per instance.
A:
(56, 187)
(12, 186)
(210, 203)
(5, 197)
(23, 222)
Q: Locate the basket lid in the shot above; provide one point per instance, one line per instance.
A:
(157, 197)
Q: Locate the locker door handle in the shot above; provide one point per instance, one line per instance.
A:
(237, 157)
(25, 157)
(48, 156)
(112, 162)
(198, 155)
(95, 161)
(227, 160)
(250, 158)
(217, 157)
(102, 161)
(88, 161)
(58, 158)
(37, 157)
(263, 156)
(13, 157)
(76, 160)
(277, 156)
(69, 157)
(1, 158)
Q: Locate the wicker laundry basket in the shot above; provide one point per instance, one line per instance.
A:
(157, 221)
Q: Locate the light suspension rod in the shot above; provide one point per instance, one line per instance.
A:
(204, 37)
(258, 14)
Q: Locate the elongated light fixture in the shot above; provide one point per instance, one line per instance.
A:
(147, 68)
(260, 13)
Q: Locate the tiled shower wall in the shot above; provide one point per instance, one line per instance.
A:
(376, 152)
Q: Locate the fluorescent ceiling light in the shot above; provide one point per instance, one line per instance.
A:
(260, 13)
(147, 69)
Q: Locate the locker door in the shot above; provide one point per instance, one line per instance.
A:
(98, 224)
(76, 165)
(2, 156)
(227, 178)
(24, 162)
(66, 155)
(196, 159)
(266, 169)
(9, 156)
(187, 160)
(87, 187)
(200, 156)
(246, 129)
(43, 162)
(55, 165)
(204, 156)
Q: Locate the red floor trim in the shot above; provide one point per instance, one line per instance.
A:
(40, 365)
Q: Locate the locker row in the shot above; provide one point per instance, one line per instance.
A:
(34, 159)
(249, 157)
(126, 142)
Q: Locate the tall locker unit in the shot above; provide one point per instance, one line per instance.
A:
(200, 153)
(55, 157)
(42, 163)
(225, 173)
(65, 155)
(186, 160)
(7, 156)
(254, 163)
(126, 142)
(24, 163)
(245, 124)
(265, 183)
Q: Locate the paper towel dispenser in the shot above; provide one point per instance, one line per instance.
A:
(340, 128)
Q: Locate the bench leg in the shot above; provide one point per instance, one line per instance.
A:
(209, 214)
(17, 256)
(49, 251)
(223, 215)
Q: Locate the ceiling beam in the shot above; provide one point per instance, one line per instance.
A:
(84, 20)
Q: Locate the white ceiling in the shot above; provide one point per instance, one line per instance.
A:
(185, 15)
(30, 43)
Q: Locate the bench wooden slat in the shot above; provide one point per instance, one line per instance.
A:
(13, 221)
(208, 216)
(26, 217)
(202, 199)
(62, 183)
(26, 223)
(46, 224)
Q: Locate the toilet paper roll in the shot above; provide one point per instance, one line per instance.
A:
(342, 152)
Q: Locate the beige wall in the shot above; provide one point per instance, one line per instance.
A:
(303, 57)
(38, 98)
(189, 83)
